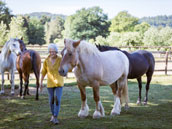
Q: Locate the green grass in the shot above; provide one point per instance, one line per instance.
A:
(30, 114)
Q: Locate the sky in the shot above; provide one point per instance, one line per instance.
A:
(137, 8)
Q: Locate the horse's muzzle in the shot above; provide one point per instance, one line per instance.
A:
(62, 72)
(19, 53)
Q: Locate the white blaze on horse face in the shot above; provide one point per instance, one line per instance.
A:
(65, 64)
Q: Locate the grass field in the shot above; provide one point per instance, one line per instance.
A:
(30, 114)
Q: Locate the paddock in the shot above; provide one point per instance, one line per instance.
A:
(28, 113)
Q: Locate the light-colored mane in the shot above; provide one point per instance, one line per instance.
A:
(4, 51)
(88, 48)
(84, 47)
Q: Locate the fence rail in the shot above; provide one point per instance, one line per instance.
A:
(163, 59)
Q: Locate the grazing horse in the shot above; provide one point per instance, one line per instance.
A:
(94, 68)
(141, 62)
(8, 61)
(28, 62)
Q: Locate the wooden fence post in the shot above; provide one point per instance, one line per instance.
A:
(166, 62)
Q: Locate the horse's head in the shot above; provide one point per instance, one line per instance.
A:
(22, 45)
(69, 56)
(14, 46)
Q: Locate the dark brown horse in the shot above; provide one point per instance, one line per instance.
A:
(141, 62)
(28, 62)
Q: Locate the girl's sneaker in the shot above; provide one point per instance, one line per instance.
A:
(52, 118)
(55, 121)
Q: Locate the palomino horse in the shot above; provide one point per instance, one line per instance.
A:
(95, 68)
(29, 61)
(8, 61)
(141, 62)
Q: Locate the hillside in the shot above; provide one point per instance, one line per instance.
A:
(40, 14)
(161, 20)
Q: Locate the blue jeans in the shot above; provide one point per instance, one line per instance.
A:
(55, 101)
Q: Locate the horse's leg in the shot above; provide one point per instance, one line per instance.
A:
(84, 111)
(12, 82)
(21, 83)
(139, 80)
(26, 79)
(37, 74)
(99, 112)
(2, 86)
(149, 78)
(122, 94)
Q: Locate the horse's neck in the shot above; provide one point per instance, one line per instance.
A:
(5, 54)
(85, 64)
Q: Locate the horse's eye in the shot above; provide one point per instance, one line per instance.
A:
(14, 45)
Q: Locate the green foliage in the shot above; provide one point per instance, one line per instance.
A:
(114, 39)
(131, 39)
(121, 39)
(5, 15)
(158, 37)
(17, 29)
(3, 33)
(87, 24)
(44, 19)
(123, 22)
(101, 40)
(54, 29)
(36, 32)
(142, 28)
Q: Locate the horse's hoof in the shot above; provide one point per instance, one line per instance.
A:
(144, 103)
(138, 103)
(82, 114)
(22, 97)
(97, 114)
(115, 113)
(126, 107)
(12, 93)
(2, 92)
(18, 96)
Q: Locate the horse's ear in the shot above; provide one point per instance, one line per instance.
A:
(75, 44)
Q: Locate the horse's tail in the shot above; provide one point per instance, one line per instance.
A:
(124, 94)
(35, 59)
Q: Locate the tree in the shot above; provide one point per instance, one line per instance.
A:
(142, 28)
(158, 37)
(123, 22)
(54, 29)
(44, 19)
(87, 24)
(3, 33)
(36, 31)
(17, 29)
(5, 15)
(131, 39)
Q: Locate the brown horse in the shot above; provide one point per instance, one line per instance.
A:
(28, 62)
